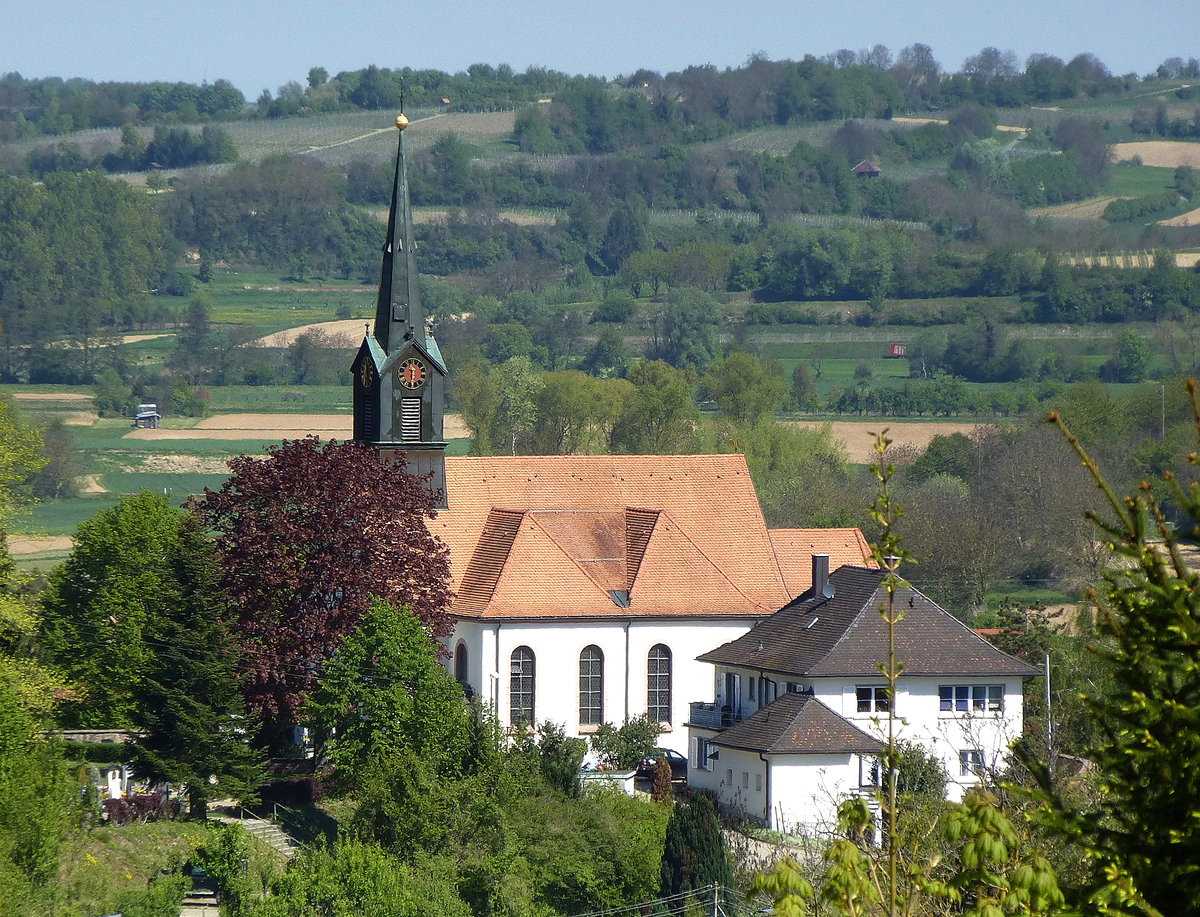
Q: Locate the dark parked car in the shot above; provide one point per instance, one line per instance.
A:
(677, 762)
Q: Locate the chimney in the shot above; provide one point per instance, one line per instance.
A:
(820, 573)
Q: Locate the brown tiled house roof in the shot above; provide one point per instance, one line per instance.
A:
(846, 636)
(798, 724)
(617, 536)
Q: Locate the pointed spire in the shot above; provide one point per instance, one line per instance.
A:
(399, 316)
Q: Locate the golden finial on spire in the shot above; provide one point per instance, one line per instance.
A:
(401, 121)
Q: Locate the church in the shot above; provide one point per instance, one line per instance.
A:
(586, 586)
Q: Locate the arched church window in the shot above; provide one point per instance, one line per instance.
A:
(460, 663)
(658, 684)
(591, 686)
(521, 687)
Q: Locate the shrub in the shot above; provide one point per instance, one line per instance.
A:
(625, 746)
(143, 808)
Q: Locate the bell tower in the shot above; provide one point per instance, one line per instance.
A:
(399, 374)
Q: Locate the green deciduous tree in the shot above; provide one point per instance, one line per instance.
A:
(128, 571)
(20, 457)
(37, 802)
(745, 388)
(59, 478)
(685, 333)
(384, 692)
(661, 417)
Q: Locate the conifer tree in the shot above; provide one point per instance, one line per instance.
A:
(694, 852)
(1142, 833)
(187, 703)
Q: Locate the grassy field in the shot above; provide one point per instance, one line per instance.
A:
(113, 463)
(1136, 181)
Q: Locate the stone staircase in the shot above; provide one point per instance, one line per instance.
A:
(270, 834)
(201, 901)
(266, 831)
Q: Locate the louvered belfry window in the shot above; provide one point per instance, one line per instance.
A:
(410, 420)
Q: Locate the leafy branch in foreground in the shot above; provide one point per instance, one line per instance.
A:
(1142, 833)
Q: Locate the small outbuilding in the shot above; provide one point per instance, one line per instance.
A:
(147, 417)
(867, 169)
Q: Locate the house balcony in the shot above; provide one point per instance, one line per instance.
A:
(713, 716)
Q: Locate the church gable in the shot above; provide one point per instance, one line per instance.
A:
(412, 350)
(540, 580)
(678, 577)
(594, 541)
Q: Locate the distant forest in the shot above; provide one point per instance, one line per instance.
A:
(695, 103)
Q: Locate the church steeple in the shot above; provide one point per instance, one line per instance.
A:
(399, 375)
(398, 313)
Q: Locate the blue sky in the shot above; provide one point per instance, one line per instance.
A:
(260, 44)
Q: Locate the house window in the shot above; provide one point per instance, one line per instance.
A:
(745, 780)
(758, 783)
(872, 698)
(768, 690)
(971, 698)
(658, 684)
(870, 771)
(970, 762)
(729, 776)
(703, 754)
(591, 686)
(753, 688)
(520, 687)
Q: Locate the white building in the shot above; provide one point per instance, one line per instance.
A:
(586, 587)
(799, 703)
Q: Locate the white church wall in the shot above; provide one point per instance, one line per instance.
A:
(625, 644)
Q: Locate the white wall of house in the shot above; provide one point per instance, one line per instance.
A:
(963, 740)
(625, 645)
(794, 793)
(806, 791)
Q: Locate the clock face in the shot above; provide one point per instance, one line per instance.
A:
(412, 373)
(367, 374)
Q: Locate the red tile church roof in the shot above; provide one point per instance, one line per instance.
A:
(620, 536)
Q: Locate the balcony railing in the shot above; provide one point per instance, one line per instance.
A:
(713, 716)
